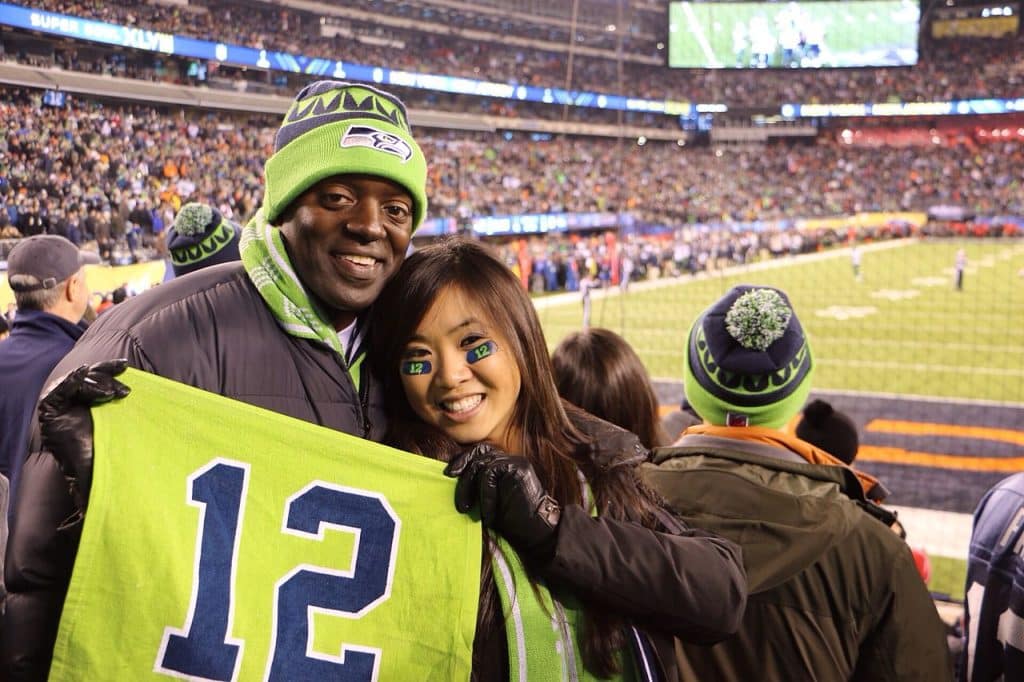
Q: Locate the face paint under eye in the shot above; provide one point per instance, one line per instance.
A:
(416, 367)
(484, 350)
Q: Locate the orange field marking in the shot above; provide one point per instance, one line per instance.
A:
(879, 453)
(930, 429)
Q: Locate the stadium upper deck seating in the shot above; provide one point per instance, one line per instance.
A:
(479, 44)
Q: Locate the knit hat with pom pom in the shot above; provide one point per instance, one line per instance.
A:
(201, 237)
(747, 361)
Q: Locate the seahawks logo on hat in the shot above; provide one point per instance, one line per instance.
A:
(368, 136)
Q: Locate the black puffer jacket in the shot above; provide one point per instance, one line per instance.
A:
(213, 331)
(210, 330)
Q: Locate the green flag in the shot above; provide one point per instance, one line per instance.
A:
(226, 542)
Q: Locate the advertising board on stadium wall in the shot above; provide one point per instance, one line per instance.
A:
(998, 21)
(880, 219)
(542, 223)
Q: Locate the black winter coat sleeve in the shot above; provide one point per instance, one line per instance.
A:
(691, 585)
(41, 551)
(44, 536)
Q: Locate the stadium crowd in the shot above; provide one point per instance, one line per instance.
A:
(961, 69)
(94, 170)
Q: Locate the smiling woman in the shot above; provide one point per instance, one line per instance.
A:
(467, 380)
(468, 386)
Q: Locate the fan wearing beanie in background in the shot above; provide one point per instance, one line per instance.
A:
(834, 594)
(201, 237)
(832, 431)
(282, 329)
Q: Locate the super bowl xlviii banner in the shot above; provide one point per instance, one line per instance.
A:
(226, 542)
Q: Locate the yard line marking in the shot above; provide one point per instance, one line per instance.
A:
(954, 430)
(702, 40)
(892, 455)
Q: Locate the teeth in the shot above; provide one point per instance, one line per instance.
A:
(361, 260)
(462, 404)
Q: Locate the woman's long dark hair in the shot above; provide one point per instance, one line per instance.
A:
(598, 371)
(555, 448)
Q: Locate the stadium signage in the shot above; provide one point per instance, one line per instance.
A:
(238, 55)
(98, 31)
(961, 107)
(540, 223)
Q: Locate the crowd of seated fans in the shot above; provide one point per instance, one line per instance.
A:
(106, 170)
(961, 69)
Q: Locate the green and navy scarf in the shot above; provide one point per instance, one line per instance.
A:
(267, 264)
(542, 625)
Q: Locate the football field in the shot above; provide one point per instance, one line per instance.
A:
(901, 328)
(933, 376)
(725, 34)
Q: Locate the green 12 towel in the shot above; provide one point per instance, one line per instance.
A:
(226, 542)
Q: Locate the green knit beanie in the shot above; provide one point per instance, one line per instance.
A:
(747, 361)
(337, 128)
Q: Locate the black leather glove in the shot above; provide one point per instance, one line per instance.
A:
(510, 497)
(65, 421)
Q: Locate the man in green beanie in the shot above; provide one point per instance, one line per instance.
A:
(282, 329)
(834, 592)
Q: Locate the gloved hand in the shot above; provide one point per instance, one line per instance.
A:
(511, 498)
(65, 421)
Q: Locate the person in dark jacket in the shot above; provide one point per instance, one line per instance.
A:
(460, 352)
(994, 614)
(283, 330)
(834, 592)
(45, 273)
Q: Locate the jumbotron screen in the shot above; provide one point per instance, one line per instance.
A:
(792, 35)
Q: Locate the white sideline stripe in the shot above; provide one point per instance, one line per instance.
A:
(683, 280)
(920, 398)
(939, 533)
(888, 364)
(698, 34)
(908, 397)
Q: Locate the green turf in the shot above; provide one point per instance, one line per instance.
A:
(904, 330)
(701, 34)
(948, 576)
